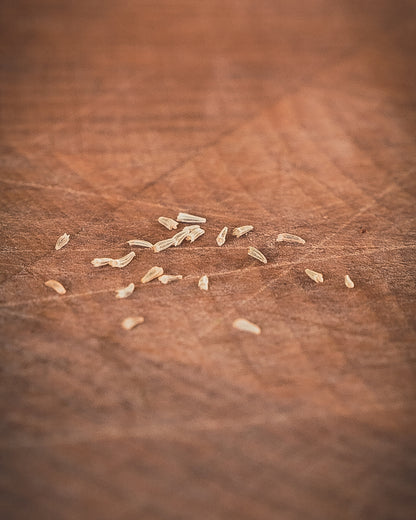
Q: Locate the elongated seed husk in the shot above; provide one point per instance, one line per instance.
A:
(140, 243)
(125, 292)
(56, 286)
(194, 234)
(287, 237)
(190, 219)
(123, 261)
(240, 231)
(62, 241)
(180, 237)
(222, 236)
(191, 228)
(131, 322)
(246, 326)
(163, 244)
(152, 273)
(258, 255)
(168, 278)
(348, 282)
(203, 283)
(316, 277)
(169, 223)
(99, 262)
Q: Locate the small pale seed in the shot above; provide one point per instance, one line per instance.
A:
(190, 219)
(131, 322)
(125, 292)
(348, 282)
(246, 326)
(163, 244)
(203, 283)
(169, 223)
(62, 241)
(240, 231)
(168, 278)
(151, 274)
(194, 234)
(287, 237)
(99, 262)
(56, 286)
(140, 243)
(316, 277)
(222, 236)
(123, 261)
(258, 255)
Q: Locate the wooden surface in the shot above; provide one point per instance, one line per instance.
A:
(294, 116)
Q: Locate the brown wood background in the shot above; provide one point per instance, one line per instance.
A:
(293, 116)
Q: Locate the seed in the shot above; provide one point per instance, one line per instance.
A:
(125, 292)
(123, 261)
(168, 278)
(62, 241)
(180, 237)
(56, 286)
(163, 244)
(140, 243)
(194, 234)
(152, 273)
(190, 219)
(287, 237)
(246, 326)
(258, 255)
(222, 236)
(316, 277)
(191, 228)
(203, 283)
(240, 231)
(169, 223)
(131, 322)
(99, 262)
(348, 282)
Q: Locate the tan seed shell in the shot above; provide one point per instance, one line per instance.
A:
(168, 278)
(140, 243)
(62, 241)
(180, 237)
(99, 262)
(190, 219)
(56, 286)
(258, 255)
(131, 322)
(169, 223)
(163, 244)
(194, 234)
(246, 326)
(240, 231)
(287, 237)
(348, 282)
(125, 292)
(316, 277)
(151, 274)
(222, 236)
(123, 261)
(203, 283)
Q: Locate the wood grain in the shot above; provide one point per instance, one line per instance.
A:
(291, 116)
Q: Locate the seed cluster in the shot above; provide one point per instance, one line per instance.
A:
(190, 233)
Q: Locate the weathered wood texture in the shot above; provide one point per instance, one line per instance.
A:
(294, 116)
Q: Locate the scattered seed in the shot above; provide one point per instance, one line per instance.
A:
(191, 228)
(287, 237)
(316, 277)
(222, 236)
(169, 223)
(163, 244)
(62, 241)
(190, 219)
(348, 282)
(246, 326)
(258, 255)
(99, 262)
(240, 231)
(195, 233)
(152, 273)
(140, 243)
(180, 237)
(168, 278)
(131, 322)
(56, 286)
(125, 292)
(203, 283)
(123, 261)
